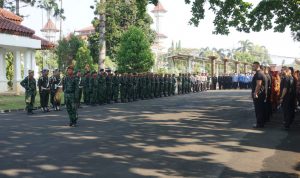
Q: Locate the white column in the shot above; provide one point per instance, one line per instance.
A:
(33, 64)
(27, 62)
(17, 72)
(190, 66)
(3, 80)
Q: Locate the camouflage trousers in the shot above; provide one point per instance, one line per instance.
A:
(115, 92)
(102, 95)
(94, 96)
(29, 100)
(71, 107)
(86, 95)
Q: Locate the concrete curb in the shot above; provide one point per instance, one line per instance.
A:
(37, 108)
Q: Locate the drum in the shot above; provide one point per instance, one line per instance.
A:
(57, 97)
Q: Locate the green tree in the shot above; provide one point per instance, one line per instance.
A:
(83, 57)
(245, 46)
(134, 53)
(48, 5)
(120, 14)
(245, 16)
(66, 50)
(9, 59)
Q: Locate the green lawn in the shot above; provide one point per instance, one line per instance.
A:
(17, 102)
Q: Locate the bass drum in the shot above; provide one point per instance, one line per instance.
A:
(57, 97)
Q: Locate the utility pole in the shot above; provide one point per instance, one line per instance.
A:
(102, 42)
(60, 23)
(18, 7)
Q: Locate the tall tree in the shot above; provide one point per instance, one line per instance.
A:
(134, 53)
(83, 58)
(67, 49)
(245, 46)
(245, 16)
(120, 14)
(44, 4)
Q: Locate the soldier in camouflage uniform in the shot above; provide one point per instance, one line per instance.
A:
(116, 86)
(147, 86)
(44, 89)
(161, 85)
(165, 85)
(93, 88)
(69, 88)
(152, 80)
(29, 83)
(135, 82)
(129, 86)
(52, 83)
(173, 84)
(156, 80)
(169, 84)
(86, 88)
(123, 88)
(102, 87)
(143, 86)
(108, 86)
(79, 84)
(189, 85)
(183, 83)
(139, 86)
(179, 84)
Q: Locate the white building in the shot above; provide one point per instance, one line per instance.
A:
(22, 42)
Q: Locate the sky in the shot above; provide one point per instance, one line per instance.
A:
(175, 25)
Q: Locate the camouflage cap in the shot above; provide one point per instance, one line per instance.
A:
(30, 71)
(70, 67)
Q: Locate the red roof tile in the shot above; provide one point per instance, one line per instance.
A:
(10, 16)
(7, 26)
(160, 35)
(159, 8)
(45, 44)
(89, 28)
(50, 26)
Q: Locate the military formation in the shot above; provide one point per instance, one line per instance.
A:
(232, 81)
(104, 87)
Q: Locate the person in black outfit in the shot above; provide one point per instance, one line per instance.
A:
(220, 81)
(287, 98)
(214, 82)
(259, 95)
(44, 89)
(268, 86)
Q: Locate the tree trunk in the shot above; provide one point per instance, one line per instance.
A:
(102, 42)
(1, 3)
(18, 7)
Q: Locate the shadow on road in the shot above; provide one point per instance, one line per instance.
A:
(181, 136)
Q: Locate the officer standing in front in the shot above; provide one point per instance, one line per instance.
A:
(44, 89)
(288, 97)
(29, 83)
(258, 95)
(69, 88)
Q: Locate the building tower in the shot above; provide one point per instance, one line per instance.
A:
(49, 31)
(158, 12)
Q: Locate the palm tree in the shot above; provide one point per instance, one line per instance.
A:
(44, 4)
(246, 46)
(102, 29)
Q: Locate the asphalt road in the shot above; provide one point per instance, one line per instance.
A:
(197, 135)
